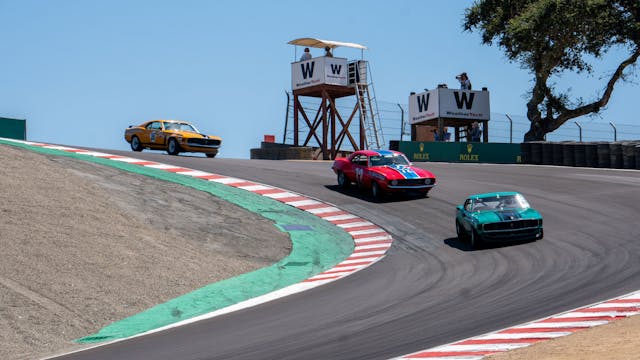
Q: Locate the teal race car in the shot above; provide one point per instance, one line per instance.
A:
(497, 217)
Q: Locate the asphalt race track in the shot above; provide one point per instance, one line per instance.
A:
(431, 289)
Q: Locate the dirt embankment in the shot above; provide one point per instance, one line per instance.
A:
(84, 245)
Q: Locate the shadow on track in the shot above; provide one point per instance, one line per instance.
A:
(462, 245)
(362, 194)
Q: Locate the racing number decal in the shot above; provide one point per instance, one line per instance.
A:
(153, 136)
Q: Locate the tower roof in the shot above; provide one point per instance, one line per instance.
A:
(318, 43)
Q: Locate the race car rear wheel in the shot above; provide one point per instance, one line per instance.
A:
(210, 156)
(135, 144)
(343, 182)
(172, 147)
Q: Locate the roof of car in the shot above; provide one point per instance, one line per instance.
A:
(376, 152)
(174, 121)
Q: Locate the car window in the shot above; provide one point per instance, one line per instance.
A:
(154, 125)
(500, 202)
(180, 127)
(468, 205)
(383, 160)
(360, 160)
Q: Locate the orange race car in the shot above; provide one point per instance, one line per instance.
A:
(174, 136)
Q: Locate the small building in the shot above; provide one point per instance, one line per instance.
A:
(328, 77)
(442, 107)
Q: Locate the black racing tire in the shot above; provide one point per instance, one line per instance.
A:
(135, 144)
(462, 235)
(474, 240)
(343, 181)
(376, 192)
(210, 156)
(172, 147)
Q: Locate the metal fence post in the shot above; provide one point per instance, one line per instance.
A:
(580, 129)
(401, 121)
(615, 132)
(510, 128)
(286, 118)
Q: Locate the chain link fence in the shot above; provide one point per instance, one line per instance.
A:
(503, 128)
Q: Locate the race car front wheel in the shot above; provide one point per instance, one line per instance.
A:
(172, 147)
(460, 231)
(343, 182)
(474, 240)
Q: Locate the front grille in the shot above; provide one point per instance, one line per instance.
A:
(415, 182)
(511, 225)
(204, 142)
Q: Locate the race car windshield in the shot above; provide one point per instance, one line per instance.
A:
(382, 160)
(180, 127)
(502, 202)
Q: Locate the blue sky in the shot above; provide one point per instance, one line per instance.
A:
(80, 72)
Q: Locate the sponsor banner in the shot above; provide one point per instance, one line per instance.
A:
(449, 103)
(423, 106)
(496, 153)
(13, 128)
(320, 70)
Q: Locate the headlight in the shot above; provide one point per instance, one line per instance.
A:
(394, 182)
(427, 181)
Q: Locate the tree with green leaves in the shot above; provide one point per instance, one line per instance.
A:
(549, 37)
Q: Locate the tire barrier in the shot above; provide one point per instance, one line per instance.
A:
(628, 155)
(557, 154)
(591, 155)
(536, 152)
(525, 152)
(568, 157)
(604, 160)
(579, 156)
(547, 153)
(615, 155)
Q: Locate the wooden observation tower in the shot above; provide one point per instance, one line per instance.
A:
(329, 78)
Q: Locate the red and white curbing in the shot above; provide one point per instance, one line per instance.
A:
(371, 241)
(527, 334)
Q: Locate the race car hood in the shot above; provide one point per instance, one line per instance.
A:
(485, 217)
(399, 172)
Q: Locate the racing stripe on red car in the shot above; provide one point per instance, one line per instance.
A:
(537, 331)
(370, 241)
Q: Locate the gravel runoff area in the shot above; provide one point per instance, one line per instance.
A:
(84, 245)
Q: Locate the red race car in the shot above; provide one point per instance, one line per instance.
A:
(382, 171)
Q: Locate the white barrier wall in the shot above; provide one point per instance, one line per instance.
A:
(449, 103)
(320, 70)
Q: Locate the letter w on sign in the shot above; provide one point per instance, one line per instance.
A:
(462, 100)
(307, 69)
(423, 102)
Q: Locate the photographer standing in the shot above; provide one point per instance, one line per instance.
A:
(465, 83)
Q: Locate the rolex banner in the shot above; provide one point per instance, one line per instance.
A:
(495, 153)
